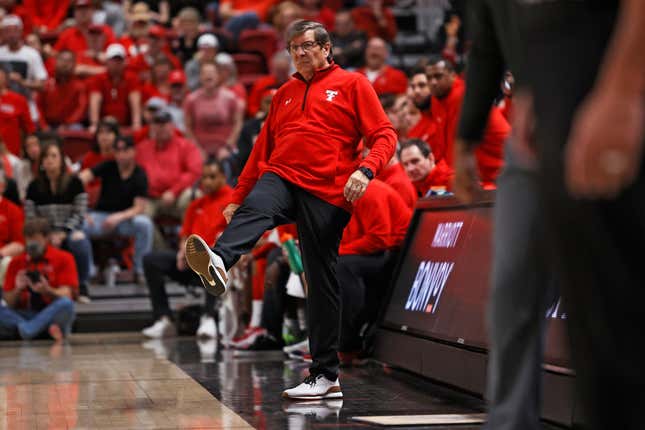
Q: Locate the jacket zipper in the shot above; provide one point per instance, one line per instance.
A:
(304, 100)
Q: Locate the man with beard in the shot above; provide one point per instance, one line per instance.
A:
(425, 129)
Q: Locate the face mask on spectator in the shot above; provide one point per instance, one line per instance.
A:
(34, 248)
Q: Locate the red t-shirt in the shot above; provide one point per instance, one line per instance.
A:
(389, 81)
(261, 7)
(396, 178)
(426, 130)
(142, 63)
(57, 266)
(379, 222)
(11, 222)
(439, 179)
(115, 95)
(175, 167)
(204, 215)
(335, 104)
(365, 20)
(73, 39)
(63, 103)
(14, 119)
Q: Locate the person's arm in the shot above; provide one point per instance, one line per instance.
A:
(16, 282)
(191, 169)
(76, 219)
(95, 109)
(608, 126)
(11, 249)
(134, 98)
(26, 123)
(188, 119)
(86, 176)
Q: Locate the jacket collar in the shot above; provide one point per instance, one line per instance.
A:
(318, 74)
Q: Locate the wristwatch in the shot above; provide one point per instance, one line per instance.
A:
(367, 172)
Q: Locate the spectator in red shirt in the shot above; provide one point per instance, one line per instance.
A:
(280, 73)
(102, 150)
(40, 286)
(375, 20)
(158, 85)
(394, 175)
(172, 164)
(11, 222)
(367, 255)
(75, 38)
(91, 62)
(153, 105)
(185, 45)
(396, 107)
(447, 95)
(419, 164)
(156, 47)
(139, 19)
(314, 10)
(63, 101)
(115, 93)
(11, 8)
(46, 15)
(213, 115)
(178, 92)
(425, 128)
(384, 78)
(15, 120)
(203, 217)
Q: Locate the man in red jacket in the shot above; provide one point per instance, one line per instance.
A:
(305, 167)
(425, 173)
(447, 95)
(385, 79)
(367, 251)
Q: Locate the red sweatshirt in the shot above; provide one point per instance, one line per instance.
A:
(426, 130)
(396, 178)
(204, 215)
(312, 134)
(63, 102)
(14, 120)
(445, 113)
(389, 81)
(174, 167)
(379, 222)
(440, 177)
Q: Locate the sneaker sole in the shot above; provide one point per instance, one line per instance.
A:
(329, 395)
(199, 260)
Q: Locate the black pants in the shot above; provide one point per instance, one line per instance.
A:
(274, 201)
(159, 264)
(596, 243)
(363, 282)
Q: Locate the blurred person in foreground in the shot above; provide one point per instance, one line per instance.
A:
(294, 175)
(588, 139)
(40, 286)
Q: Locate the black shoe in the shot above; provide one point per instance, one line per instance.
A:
(265, 343)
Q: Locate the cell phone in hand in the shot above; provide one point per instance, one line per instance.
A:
(34, 276)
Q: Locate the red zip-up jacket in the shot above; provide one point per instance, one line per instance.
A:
(311, 135)
(379, 222)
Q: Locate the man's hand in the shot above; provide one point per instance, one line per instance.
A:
(111, 221)
(466, 185)
(22, 281)
(356, 186)
(229, 211)
(42, 286)
(167, 199)
(605, 146)
(57, 237)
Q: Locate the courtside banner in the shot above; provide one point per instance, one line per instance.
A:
(442, 283)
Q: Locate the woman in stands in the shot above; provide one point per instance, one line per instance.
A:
(213, 114)
(60, 197)
(102, 150)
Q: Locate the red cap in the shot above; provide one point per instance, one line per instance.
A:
(177, 77)
(157, 31)
(80, 3)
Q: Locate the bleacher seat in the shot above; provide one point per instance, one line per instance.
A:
(249, 64)
(76, 143)
(263, 42)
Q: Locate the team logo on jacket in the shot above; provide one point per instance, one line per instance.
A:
(331, 94)
(287, 101)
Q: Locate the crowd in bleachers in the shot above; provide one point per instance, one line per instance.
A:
(132, 121)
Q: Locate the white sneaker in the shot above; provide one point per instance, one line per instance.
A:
(320, 409)
(208, 265)
(314, 387)
(207, 327)
(163, 327)
(300, 346)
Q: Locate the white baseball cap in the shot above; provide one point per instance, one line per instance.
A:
(115, 50)
(207, 41)
(11, 21)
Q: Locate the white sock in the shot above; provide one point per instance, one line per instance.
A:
(256, 313)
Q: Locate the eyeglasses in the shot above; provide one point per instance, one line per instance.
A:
(306, 47)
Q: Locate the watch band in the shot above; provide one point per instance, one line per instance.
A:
(367, 172)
